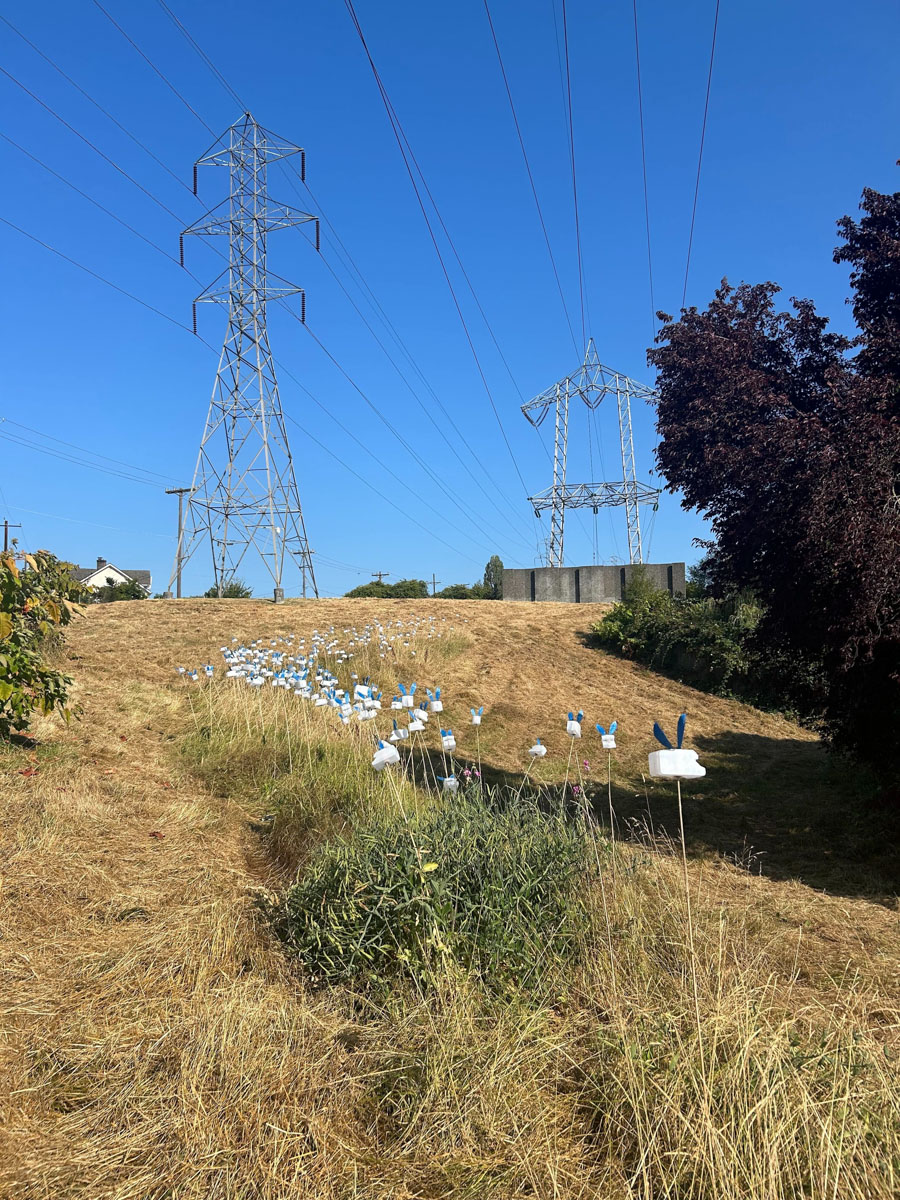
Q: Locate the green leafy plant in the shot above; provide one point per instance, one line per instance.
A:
(36, 601)
(235, 589)
(710, 644)
(491, 887)
(127, 589)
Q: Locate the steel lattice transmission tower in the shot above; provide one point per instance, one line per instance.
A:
(244, 492)
(590, 383)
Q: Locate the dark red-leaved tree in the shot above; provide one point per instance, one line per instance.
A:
(787, 437)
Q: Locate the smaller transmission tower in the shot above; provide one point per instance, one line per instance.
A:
(590, 383)
(244, 492)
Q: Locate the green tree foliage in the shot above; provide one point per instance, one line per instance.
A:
(403, 589)
(493, 578)
(235, 589)
(461, 591)
(791, 448)
(710, 644)
(37, 599)
(127, 590)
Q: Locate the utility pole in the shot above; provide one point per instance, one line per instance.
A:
(244, 494)
(7, 526)
(434, 583)
(179, 552)
(379, 575)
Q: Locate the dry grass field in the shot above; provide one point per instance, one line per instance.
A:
(156, 1042)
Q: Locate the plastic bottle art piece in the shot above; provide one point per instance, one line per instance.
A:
(573, 725)
(674, 762)
(608, 738)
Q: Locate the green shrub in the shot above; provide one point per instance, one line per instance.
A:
(36, 601)
(234, 589)
(711, 645)
(492, 889)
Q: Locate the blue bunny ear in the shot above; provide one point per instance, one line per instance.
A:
(481, 710)
(614, 727)
(381, 745)
(601, 730)
(682, 721)
(402, 689)
(571, 716)
(437, 693)
(660, 736)
(412, 690)
(580, 716)
(395, 724)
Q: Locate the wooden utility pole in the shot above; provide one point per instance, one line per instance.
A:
(434, 583)
(7, 526)
(180, 493)
(380, 575)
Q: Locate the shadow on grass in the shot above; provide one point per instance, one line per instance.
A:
(777, 806)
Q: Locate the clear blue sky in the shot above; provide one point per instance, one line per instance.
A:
(803, 113)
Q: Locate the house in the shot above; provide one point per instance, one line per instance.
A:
(99, 576)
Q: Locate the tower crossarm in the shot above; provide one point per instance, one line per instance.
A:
(595, 495)
(224, 219)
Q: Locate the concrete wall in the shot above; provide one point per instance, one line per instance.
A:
(587, 585)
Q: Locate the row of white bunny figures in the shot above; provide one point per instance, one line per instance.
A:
(671, 763)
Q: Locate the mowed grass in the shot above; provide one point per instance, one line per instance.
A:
(158, 1042)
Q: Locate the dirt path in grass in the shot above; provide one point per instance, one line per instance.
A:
(152, 1038)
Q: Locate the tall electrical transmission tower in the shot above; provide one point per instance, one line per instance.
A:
(244, 492)
(590, 383)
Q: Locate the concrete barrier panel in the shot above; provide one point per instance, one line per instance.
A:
(604, 584)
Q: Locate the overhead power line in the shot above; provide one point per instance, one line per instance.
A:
(407, 155)
(712, 58)
(640, 91)
(88, 142)
(68, 78)
(150, 63)
(537, 203)
(68, 182)
(565, 25)
(117, 462)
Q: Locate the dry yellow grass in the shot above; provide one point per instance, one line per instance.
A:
(155, 1043)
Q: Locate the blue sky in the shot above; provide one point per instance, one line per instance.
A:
(803, 113)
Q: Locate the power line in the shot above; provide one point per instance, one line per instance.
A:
(637, 56)
(75, 263)
(77, 521)
(425, 408)
(137, 141)
(212, 66)
(131, 229)
(407, 154)
(565, 25)
(712, 56)
(154, 67)
(84, 449)
(88, 142)
(534, 193)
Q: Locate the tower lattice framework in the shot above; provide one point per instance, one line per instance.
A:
(591, 383)
(244, 494)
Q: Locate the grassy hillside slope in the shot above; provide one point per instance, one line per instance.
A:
(156, 1043)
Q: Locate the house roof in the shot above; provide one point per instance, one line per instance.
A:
(141, 577)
